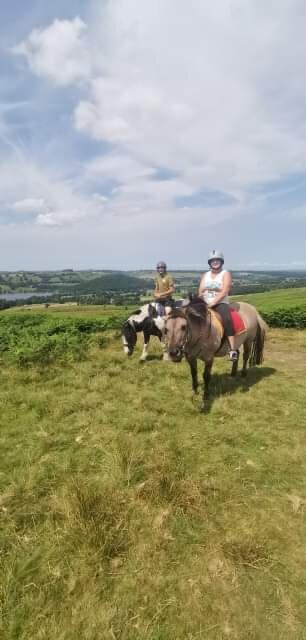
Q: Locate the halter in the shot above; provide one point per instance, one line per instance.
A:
(188, 333)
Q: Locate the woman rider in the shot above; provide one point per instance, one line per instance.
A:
(214, 288)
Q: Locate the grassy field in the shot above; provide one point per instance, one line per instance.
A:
(73, 310)
(265, 302)
(128, 514)
(275, 299)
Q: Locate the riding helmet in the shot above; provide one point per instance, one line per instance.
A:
(215, 254)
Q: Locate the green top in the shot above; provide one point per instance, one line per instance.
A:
(163, 283)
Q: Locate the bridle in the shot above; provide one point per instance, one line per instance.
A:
(188, 334)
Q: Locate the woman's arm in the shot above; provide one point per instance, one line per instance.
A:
(227, 283)
(165, 294)
(202, 287)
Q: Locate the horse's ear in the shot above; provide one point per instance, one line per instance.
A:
(194, 313)
(195, 299)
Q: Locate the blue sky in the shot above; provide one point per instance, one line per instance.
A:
(132, 132)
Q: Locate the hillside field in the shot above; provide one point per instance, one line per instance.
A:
(128, 514)
(276, 299)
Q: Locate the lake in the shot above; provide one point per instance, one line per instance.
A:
(24, 296)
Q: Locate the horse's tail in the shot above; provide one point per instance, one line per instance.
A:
(258, 344)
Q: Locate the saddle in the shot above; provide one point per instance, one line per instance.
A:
(238, 324)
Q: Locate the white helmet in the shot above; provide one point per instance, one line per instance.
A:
(215, 254)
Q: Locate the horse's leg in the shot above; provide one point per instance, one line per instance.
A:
(146, 340)
(206, 378)
(235, 365)
(194, 374)
(246, 355)
(164, 347)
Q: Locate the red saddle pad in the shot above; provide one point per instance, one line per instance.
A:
(238, 323)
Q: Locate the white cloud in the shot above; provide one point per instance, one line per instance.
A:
(200, 90)
(28, 188)
(58, 52)
(212, 93)
(29, 205)
(206, 90)
(48, 220)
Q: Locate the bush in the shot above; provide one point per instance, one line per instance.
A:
(287, 318)
(39, 339)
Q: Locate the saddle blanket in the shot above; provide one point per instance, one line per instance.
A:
(238, 324)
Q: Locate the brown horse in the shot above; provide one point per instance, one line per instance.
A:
(196, 332)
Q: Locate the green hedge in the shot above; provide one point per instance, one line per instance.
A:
(294, 317)
(39, 339)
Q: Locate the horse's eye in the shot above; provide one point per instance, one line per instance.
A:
(166, 330)
(183, 328)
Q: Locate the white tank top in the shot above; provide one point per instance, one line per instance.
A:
(214, 286)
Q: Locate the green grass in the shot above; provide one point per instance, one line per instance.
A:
(128, 514)
(276, 299)
(73, 310)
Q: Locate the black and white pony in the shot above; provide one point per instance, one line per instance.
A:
(147, 320)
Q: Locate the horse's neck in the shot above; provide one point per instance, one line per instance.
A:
(204, 337)
(198, 329)
(216, 322)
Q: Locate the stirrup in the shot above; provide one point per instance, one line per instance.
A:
(233, 355)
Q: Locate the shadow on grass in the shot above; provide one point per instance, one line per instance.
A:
(222, 384)
(153, 356)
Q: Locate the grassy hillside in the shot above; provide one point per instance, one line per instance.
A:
(127, 514)
(278, 298)
(113, 282)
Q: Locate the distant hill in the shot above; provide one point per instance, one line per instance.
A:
(114, 282)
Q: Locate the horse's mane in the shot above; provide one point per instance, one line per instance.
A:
(176, 313)
(197, 308)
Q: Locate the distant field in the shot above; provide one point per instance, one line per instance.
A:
(278, 298)
(280, 307)
(78, 311)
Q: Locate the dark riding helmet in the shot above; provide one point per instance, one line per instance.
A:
(161, 265)
(215, 254)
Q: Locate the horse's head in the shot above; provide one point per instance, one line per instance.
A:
(129, 337)
(181, 324)
(176, 334)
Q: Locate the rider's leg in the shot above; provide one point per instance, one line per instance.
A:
(233, 354)
(224, 311)
(169, 304)
(231, 340)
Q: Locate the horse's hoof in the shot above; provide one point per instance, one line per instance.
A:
(142, 359)
(166, 357)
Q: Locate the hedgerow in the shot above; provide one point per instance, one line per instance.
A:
(287, 318)
(38, 339)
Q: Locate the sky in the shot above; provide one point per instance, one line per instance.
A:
(134, 131)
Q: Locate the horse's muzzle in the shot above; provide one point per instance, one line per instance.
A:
(176, 355)
(127, 350)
